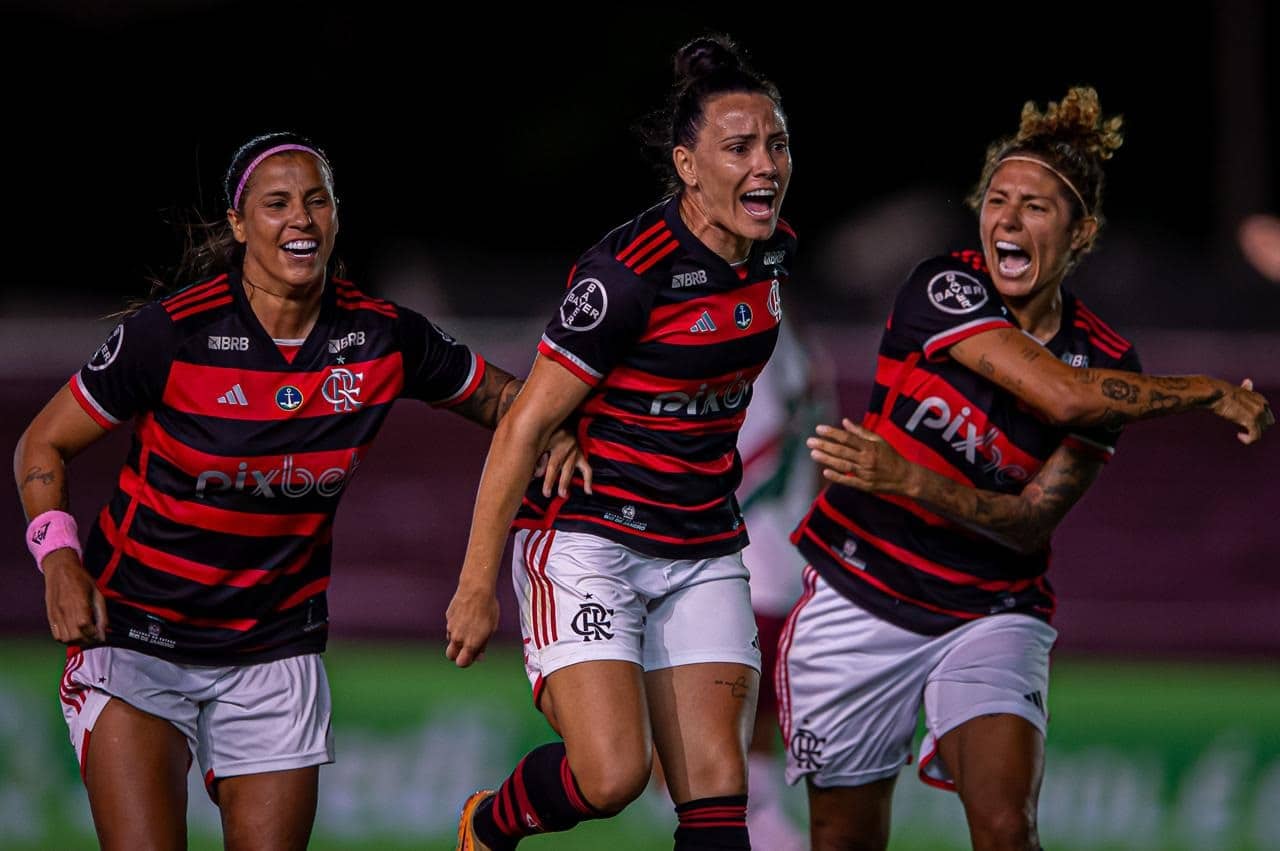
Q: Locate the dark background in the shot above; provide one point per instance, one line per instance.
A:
(478, 152)
(484, 150)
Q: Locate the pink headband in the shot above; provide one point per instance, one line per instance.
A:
(257, 161)
(1048, 167)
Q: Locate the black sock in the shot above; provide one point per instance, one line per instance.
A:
(540, 796)
(713, 824)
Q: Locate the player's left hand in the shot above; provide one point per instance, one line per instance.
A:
(858, 458)
(557, 464)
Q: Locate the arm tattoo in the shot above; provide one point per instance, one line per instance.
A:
(1157, 401)
(1120, 390)
(36, 474)
(492, 398)
(507, 397)
(986, 367)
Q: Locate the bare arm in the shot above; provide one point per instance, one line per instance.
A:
(549, 396)
(493, 398)
(75, 607)
(1023, 522)
(1070, 396)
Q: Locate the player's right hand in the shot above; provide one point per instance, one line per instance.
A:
(470, 621)
(1247, 409)
(76, 609)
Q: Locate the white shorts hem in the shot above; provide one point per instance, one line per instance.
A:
(728, 655)
(847, 779)
(1020, 708)
(283, 763)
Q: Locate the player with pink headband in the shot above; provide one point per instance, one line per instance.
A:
(196, 615)
(998, 399)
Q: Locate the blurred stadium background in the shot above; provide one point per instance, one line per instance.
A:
(476, 158)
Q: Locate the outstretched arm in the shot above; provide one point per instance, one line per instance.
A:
(548, 397)
(75, 607)
(1023, 522)
(1070, 396)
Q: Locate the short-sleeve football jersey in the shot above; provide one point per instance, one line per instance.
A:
(670, 338)
(894, 557)
(215, 547)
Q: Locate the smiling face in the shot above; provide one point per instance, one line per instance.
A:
(736, 175)
(1028, 232)
(287, 224)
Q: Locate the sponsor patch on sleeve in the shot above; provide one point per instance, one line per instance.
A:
(106, 353)
(956, 292)
(584, 305)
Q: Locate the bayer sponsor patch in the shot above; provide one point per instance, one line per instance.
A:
(106, 353)
(956, 292)
(584, 305)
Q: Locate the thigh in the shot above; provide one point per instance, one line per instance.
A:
(850, 818)
(997, 763)
(270, 811)
(702, 722)
(135, 769)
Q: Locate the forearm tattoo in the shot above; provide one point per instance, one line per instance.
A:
(492, 399)
(47, 478)
(1120, 390)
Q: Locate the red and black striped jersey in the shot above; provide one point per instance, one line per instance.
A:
(889, 554)
(670, 338)
(215, 546)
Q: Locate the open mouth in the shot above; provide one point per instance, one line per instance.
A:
(301, 247)
(759, 202)
(1012, 259)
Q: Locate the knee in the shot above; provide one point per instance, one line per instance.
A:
(839, 835)
(610, 787)
(1004, 828)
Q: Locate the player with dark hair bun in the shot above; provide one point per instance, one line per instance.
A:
(998, 399)
(633, 596)
(196, 614)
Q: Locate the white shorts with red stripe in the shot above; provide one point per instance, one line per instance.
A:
(850, 686)
(585, 598)
(238, 719)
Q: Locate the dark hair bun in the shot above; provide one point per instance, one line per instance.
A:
(706, 56)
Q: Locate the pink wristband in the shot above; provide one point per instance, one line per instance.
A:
(51, 531)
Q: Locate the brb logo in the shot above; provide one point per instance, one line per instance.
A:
(288, 480)
(342, 389)
(592, 622)
(584, 306)
(935, 413)
(733, 395)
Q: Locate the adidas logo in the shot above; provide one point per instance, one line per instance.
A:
(1035, 699)
(703, 325)
(234, 396)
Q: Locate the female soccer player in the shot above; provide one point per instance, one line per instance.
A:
(196, 615)
(927, 579)
(633, 597)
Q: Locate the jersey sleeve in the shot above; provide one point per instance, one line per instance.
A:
(604, 311)
(1099, 441)
(437, 368)
(943, 302)
(126, 375)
